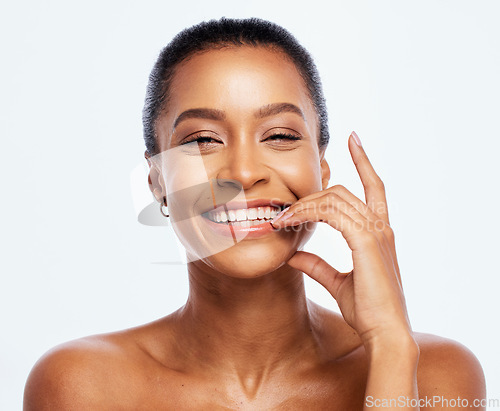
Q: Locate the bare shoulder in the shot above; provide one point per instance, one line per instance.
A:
(71, 374)
(93, 372)
(448, 369)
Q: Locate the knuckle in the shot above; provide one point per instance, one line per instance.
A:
(377, 182)
(338, 187)
(388, 231)
(379, 225)
(316, 267)
(331, 195)
(331, 199)
(382, 229)
(380, 208)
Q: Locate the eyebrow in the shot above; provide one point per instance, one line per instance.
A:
(277, 108)
(219, 115)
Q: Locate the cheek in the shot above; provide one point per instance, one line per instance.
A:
(302, 175)
(186, 182)
(179, 169)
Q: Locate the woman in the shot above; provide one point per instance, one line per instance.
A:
(236, 131)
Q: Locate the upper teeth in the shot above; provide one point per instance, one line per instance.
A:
(243, 214)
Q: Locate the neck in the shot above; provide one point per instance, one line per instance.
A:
(246, 327)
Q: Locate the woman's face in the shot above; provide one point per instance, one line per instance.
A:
(247, 145)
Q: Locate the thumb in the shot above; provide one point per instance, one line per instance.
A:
(319, 270)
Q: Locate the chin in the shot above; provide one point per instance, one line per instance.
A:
(253, 259)
(247, 265)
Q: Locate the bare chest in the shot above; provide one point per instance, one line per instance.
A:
(340, 389)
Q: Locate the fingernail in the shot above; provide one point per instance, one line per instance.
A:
(356, 138)
(281, 215)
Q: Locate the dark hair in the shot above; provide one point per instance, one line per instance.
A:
(216, 34)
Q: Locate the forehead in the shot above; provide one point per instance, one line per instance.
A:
(237, 80)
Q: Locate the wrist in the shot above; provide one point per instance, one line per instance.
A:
(395, 345)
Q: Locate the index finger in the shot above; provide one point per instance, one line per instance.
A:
(372, 184)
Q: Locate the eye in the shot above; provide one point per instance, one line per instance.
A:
(283, 136)
(203, 142)
(282, 141)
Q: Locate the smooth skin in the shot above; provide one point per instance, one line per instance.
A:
(247, 337)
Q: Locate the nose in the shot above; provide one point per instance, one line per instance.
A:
(243, 163)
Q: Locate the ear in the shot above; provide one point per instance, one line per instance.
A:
(155, 180)
(325, 171)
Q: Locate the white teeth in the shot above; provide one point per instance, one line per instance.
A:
(240, 216)
(252, 214)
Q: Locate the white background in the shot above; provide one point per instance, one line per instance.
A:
(419, 82)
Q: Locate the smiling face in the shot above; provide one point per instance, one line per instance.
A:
(242, 116)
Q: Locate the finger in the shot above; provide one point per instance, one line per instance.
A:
(346, 201)
(372, 183)
(319, 270)
(355, 202)
(377, 224)
(359, 232)
(353, 226)
(329, 208)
